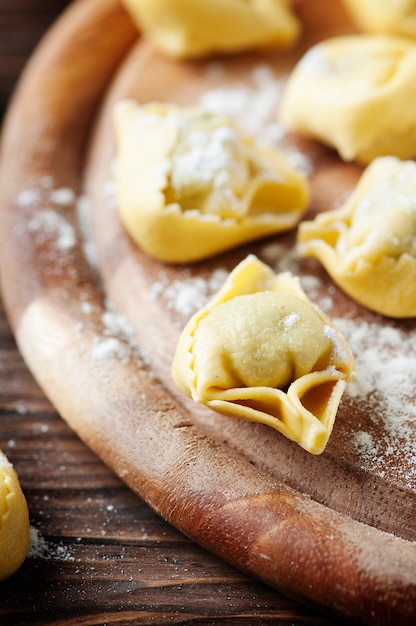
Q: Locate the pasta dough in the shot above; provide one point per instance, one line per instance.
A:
(356, 93)
(261, 351)
(190, 185)
(368, 245)
(14, 520)
(391, 17)
(192, 28)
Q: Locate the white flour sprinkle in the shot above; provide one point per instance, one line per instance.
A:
(290, 320)
(117, 324)
(298, 160)
(105, 349)
(254, 109)
(64, 196)
(386, 385)
(386, 367)
(47, 223)
(87, 308)
(208, 158)
(281, 257)
(117, 340)
(188, 295)
(363, 442)
(40, 548)
(28, 197)
(312, 285)
(332, 335)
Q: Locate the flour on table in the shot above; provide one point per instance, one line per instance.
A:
(116, 339)
(28, 197)
(188, 295)
(64, 196)
(46, 223)
(40, 548)
(254, 108)
(386, 381)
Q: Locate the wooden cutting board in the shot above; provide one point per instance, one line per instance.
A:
(335, 531)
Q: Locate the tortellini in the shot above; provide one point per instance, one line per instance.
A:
(14, 520)
(190, 185)
(368, 246)
(194, 28)
(356, 93)
(261, 351)
(392, 17)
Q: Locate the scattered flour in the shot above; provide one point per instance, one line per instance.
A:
(47, 223)
(290, 320)
(65, 196)
(281, 257)
(117, 339)
(29, 197)
(104, 349)
(386, 363)
(116, 324)
(254, 107)
(386, 382)
(190, 294)
(40, 548)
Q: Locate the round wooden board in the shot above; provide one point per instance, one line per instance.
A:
(312, 528)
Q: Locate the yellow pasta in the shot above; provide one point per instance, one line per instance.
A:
(390, 17)
(368, 246)
(194, 28)
(356, 94)
(14, 521)
(261, 351)
(190, 185)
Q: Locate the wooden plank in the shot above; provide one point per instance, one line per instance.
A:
(241, 510)
(99, 553)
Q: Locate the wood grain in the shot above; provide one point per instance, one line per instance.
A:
(108, 557)
(336, 479)
(203, 487)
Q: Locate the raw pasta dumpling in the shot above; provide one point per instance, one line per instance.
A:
(368, 246)
(194, 28)
(190, 184)
(390, 17)
(14, 520)
(261, 351)
(356, 94)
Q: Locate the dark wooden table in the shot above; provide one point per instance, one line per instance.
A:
(98, 554)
